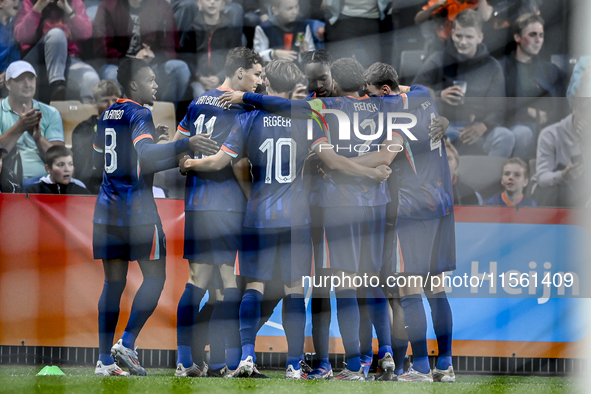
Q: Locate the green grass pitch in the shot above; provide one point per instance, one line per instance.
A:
(23, 379)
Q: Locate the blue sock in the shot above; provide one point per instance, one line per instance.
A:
(365, 332)
(416, 330)
(250, 316)
(348, 317)
(399, 348)
(144, 303)
(421, 364)
(217, 339)
(186, 317)
(231, 310)
(106, 359)
(377, 306)
(294, 323)
(200, 336)
(108, 314)
(321, 326)
(128, 340)
(443, 326)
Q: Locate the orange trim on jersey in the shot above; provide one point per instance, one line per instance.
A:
(404, 100)
(400, 255)
(360, 98)
(183, 129)
(154, 243)
(128, 100)
(228, 150)
(319, 140)
(97, 148)
(327, 251)
(395, 134)
(506, 200)
(410, 160)
(237, 264)
(225, 89)
(142, 137)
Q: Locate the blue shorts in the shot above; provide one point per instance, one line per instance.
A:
(354, 238)
(266, 249)
(128, 243)
(425, 246)
(212, 236)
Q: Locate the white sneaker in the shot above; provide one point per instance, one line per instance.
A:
(415, 376)
(291, 373)
(127, 357)
(245, 369)
(192, 372)
(447, 375)
(109, 370)
(347, 374)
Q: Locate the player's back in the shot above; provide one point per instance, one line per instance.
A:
(277, 148)
(125, 197)
(421, 169)
(366, 132)
(212, 191)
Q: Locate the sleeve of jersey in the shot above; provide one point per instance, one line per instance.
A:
(184, 127)
(234, 144)
(155, 157)
(318, 136)
(278, 105)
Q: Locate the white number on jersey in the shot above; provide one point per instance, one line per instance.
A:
(110, 150)
(269, 147)
(208, 126)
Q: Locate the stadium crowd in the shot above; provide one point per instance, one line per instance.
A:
(482, 65)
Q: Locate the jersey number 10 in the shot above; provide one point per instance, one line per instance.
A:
(271, 147)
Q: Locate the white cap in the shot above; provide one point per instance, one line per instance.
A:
(15, 69)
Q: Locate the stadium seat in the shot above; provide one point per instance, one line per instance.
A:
(72, 113)
(482, 173)
(410, 64)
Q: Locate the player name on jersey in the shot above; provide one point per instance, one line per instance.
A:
(113, 114)
(369, 107)
(276, 121)
(209, 100)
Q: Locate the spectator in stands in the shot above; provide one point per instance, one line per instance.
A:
(502, 15)
(8, 181)
(353, 29)
(529, 77)
(185, 12)
(105, 93)
(514, 180)
(560, 159)
(9, 50)
(49, 33)
(475, 123)
(60, 174)
(283, 36)
(30, 126)
(443, 13)
(463, 194)
(205, 46)
(144, 29)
